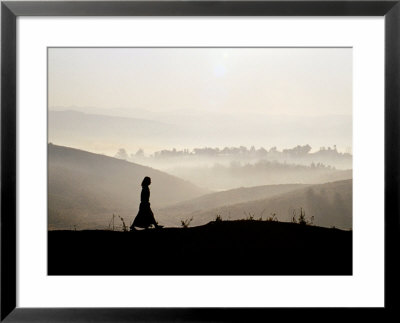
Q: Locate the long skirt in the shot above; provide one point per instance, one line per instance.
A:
(145, 216)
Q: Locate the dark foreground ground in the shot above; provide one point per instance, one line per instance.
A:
(218, 248)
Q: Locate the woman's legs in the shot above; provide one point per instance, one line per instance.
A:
(153, 220)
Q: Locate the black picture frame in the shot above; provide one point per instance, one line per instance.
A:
(11, 10)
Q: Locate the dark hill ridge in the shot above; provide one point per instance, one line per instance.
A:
(85, 189)
(218, 248)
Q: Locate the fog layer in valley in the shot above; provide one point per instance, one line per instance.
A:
(214, 167)
(86, 189)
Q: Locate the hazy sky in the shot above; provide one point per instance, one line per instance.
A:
(305, 82)
(263, 80)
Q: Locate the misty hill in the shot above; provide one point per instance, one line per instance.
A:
(219, 199)
(330, 204)
(78, 129)
(85, 189)
(223, 177)
(218, 248)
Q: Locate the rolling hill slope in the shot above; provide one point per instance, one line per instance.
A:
(85, 189)
(224, 198)
(330, 204)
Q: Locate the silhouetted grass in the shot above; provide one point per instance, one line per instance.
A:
(185, 223)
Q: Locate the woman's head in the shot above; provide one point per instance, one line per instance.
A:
(146, 181)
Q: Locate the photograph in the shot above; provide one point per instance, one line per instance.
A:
(200, 160)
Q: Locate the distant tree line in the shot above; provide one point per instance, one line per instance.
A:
(301, 155)
(298, 151)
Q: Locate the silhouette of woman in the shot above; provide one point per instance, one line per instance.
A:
(145, 216)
